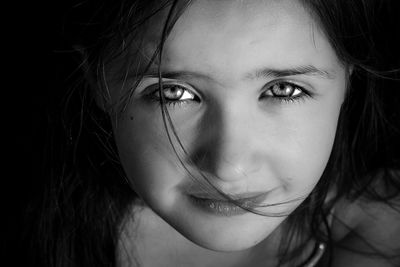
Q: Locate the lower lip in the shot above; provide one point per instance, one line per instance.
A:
(222, 207)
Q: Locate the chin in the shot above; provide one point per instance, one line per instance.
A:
(227, 234)
(231, 240)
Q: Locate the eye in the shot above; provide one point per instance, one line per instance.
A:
(174, 93)
(285, 91)
(177, 93)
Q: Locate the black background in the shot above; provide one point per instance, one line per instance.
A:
(47, 36)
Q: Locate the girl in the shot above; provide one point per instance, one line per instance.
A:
(226, 133)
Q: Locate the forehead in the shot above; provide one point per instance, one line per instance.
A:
(214, 34)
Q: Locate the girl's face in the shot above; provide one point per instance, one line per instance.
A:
(254, 90)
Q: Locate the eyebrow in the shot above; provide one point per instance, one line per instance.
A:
(178, 75)
(308, 70)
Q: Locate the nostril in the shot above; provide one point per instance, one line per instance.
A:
(226, 171)
(240, 165)
(231, 172)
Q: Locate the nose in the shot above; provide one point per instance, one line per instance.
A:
(228, 143)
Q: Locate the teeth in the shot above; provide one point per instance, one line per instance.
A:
(247, 204)
(220, 209)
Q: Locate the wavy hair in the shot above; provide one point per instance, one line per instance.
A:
(86, 196)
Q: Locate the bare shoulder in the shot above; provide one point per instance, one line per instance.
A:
(368, 231)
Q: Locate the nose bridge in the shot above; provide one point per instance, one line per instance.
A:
(235, 127)
(225, 145)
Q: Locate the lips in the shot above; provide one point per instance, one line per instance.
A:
(254, 196)
(215, 203)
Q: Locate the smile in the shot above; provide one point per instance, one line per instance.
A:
(225, 207)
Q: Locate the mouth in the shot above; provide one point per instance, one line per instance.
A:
(240, 204)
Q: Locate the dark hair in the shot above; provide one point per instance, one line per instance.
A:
(85, 195)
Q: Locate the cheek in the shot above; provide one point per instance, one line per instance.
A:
(147, 157)
(308, 145)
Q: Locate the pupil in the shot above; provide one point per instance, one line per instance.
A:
(173, 92)
(283, 90)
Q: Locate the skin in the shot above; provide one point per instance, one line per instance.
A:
(234, 132)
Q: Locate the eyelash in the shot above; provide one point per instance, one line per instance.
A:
(301, 93)
(153, 95)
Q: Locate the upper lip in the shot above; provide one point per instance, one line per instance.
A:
(203, 190)
(218, 196)
(243, 198)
